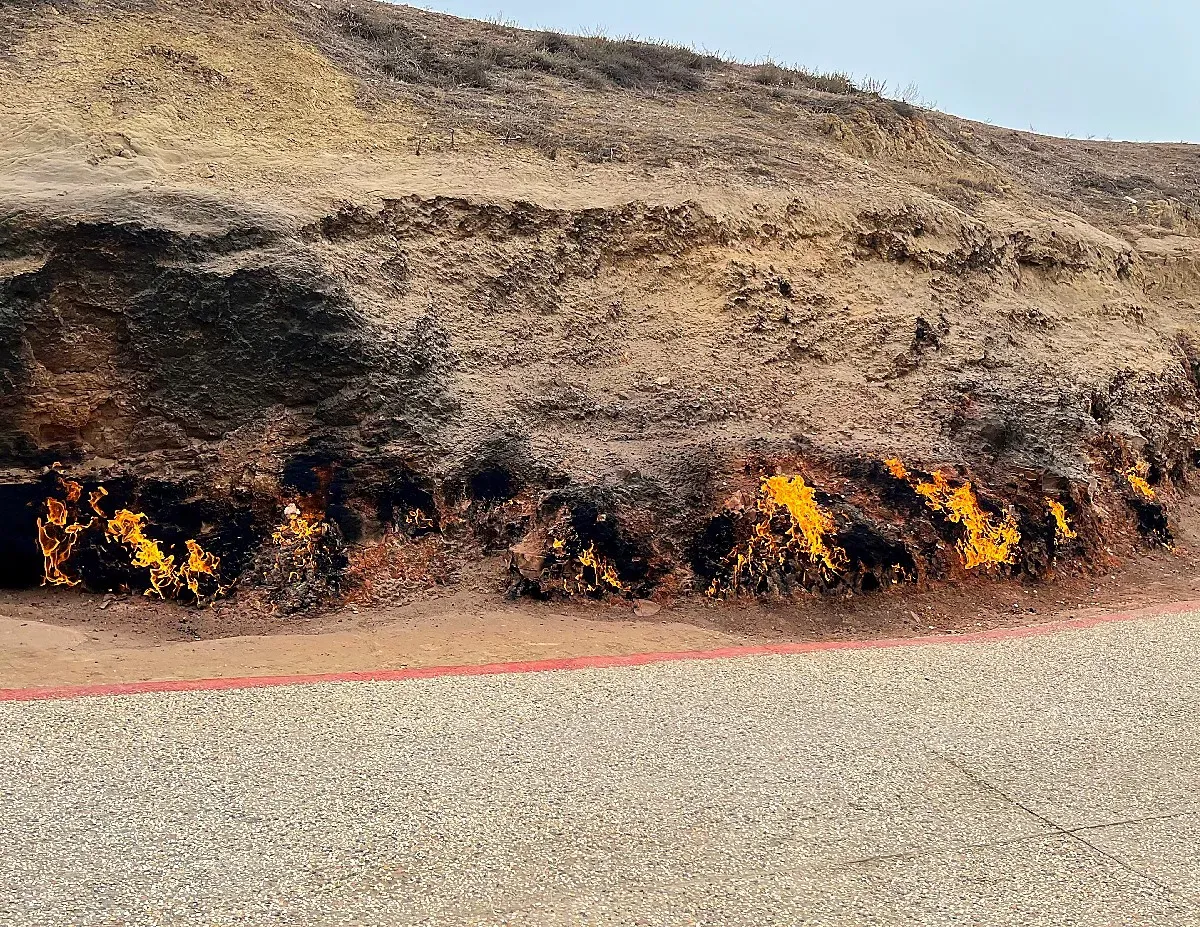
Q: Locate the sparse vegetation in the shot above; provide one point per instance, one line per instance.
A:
(623, 62)
(401, 53)
(771, 74)
(393, 47)
(443, 64)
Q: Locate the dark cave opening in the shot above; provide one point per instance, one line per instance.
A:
(20, 555)
(406, 502)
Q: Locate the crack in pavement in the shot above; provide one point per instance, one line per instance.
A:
(1071, 833)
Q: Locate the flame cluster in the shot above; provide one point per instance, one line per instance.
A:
(166, 579)
(1062, 528)
(58, 533)
(580, 570)
(60, 530)
(1136, 475)
(296, 541)
(418, 520)
(986, 540)
(805, 539)
(603, 574)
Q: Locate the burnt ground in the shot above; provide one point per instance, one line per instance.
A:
(51, 637)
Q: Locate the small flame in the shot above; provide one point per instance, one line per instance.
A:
(94, 498)
(296, 538)
(418, 519)
(578, 570)
(1136, 477)
(129, 528)
(896, 467)
(58, 535)
(56, 512)
(199, 563)
(603, 572)
(1063, 530)
(57, 541)
(985, 541)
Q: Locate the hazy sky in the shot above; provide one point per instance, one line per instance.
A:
(1128, 69)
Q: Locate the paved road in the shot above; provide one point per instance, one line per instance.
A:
(1042, 781)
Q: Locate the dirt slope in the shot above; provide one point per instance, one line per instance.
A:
(450, 285)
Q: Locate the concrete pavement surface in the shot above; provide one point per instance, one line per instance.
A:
(1048, 780)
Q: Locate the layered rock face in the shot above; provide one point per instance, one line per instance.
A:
(410, 330)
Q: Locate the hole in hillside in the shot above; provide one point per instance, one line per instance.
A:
(324, 488)
(874, 559)
(129, 536)
(710, 550)
(20, 558)
(497, 512)
(594, 527)
(583, 551)
(309, 474)
(1152, 520)
(893, 492)
(407, 504)
(493, 484)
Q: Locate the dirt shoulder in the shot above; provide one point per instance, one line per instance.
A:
(49, 638)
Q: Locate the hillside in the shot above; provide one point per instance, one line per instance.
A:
(452, 288)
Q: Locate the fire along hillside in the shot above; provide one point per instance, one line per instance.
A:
(303, 300)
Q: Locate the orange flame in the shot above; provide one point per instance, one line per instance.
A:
(94, 498)
(199, 563)
(296, 539)
(985, 541)
(806, 536)
(418, 519)
(809, 523)
(57, 541)
(1062, 528)
(129, 528)
(1136, 477)
(58, 537)
(604, 573)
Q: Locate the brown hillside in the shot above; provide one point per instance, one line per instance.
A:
(452, 286)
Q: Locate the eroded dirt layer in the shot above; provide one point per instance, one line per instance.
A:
(327, 532)
(783, 337)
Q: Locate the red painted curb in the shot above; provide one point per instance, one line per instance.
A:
(38, 693)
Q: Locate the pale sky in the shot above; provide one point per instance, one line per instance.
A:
(1128, 69)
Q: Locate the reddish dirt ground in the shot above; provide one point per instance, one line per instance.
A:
(49, 637)
(246, 258)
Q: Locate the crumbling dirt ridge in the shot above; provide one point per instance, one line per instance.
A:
(304, 303)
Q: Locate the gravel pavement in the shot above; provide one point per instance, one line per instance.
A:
(1037, 781)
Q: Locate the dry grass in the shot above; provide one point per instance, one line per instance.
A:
(771, 74)
(394, 48)
(516, 83)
